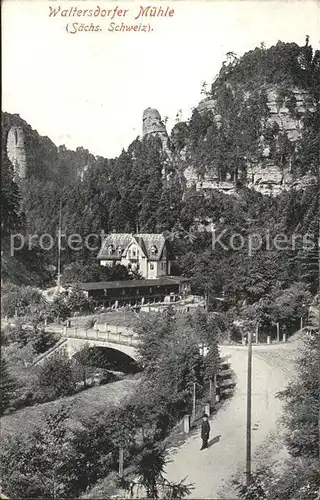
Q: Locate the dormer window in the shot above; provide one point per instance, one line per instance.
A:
(133, 253)
(153, 251)
(110, 249)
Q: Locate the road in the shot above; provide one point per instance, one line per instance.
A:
(210, 469)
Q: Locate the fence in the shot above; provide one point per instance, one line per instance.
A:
(110, 333)
(220, 387)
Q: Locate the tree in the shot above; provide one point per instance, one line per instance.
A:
(154, 332)
(10, 200)
(7, 386)
(87, 358)
(303, 405)
(149, 468)
(96, 447)
(59, 308)
(78, 273)
(28, 330)
(299, 478)
(21, 300)
(78, 301)
(35, 465)
(292, 304)
(56, 376)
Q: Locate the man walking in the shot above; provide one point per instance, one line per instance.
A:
(205, 431)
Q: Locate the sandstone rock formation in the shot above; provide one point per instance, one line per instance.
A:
(152, 125)
(263, 175)
(209, 104)
(280, 113)
(16, 152)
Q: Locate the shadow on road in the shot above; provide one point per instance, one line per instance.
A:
(214, 440)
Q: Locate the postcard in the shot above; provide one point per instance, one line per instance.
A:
(160, 249)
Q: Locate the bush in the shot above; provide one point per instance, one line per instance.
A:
(20, 300)
(57, 377)
(36, 336)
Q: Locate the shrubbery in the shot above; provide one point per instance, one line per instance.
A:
(300, 478)
(172, 363)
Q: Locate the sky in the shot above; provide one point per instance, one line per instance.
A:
(89, 89)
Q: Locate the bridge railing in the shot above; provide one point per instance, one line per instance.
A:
(124, 338)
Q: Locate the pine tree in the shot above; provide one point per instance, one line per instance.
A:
(7, 386)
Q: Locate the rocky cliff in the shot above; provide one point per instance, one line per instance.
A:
(152, 125)
(252, 128)
(16, 152)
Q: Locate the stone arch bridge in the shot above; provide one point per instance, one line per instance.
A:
(121, 339)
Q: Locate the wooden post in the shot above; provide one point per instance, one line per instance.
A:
(211, 400)
(121, 462)
(284, 337)
(207, 409)
(186, 424)
(278, 331)
(249, 388)
(214, 388)
(194, 402)
(301, 323)
(268, 339)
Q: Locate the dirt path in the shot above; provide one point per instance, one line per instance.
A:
(211, 469)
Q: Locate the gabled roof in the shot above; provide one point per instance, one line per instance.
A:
(145, 240)
(115, 239)
(150, 240)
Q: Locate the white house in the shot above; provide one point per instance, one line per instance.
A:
(144, 253)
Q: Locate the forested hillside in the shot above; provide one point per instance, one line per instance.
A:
(144, 188)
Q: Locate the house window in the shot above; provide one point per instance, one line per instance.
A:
(110, 249)
(151, 267)
(153, 251)
(119, 250)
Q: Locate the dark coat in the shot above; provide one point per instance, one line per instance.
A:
(205, 430)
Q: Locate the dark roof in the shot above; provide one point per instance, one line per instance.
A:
(145, 240)
(104, 285)
(117, 240)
